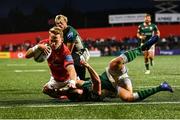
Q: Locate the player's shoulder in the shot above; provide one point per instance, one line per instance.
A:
(72, 28)
(153, 24)
(71, 33)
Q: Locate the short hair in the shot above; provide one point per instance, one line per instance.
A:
(56, 31)
(147, 15)
(60, 18)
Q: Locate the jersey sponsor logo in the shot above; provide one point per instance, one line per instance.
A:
(70, 35)
(69, 58)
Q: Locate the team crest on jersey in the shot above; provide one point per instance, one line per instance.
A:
(69, 58)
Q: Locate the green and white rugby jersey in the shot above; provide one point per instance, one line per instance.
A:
(72, 36)
(147, 30)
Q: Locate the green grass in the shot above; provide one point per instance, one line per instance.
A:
(21, 96)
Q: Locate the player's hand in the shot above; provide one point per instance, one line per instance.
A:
(85, 55)
(71, 84)
(142, 37)
(44, 48)
(84, 63)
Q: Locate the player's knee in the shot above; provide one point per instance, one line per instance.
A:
(115, 63)
(127, 98)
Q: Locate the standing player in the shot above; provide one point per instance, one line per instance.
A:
(60, 62)
(115, 80)
(74, 43)
(145, 31)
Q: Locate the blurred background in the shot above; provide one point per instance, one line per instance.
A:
(108, 27)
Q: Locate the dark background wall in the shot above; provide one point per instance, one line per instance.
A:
(38, 15)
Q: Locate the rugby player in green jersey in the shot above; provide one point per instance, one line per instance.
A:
(145, 31)
(74, 42)
(115, 82)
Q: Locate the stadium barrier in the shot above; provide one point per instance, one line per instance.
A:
(118, 32)
(20, 55)
(96, 53)
(169, 52)
(12, 55)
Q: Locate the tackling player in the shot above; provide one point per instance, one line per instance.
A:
(145, 31)
(60, 62)
(115, 80)
(74, 42)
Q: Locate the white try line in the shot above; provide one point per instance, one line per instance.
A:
(92, 104)
(36, 70)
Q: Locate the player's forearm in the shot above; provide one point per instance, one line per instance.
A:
(70, 46)
(93, 74)
(158, 33)
(72, 72)
(29, 53)
(139, 36)
(95, 80)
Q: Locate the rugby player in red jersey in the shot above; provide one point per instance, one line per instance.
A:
(60, 62)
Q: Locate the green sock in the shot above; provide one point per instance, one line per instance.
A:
(148, 92)
(147, 66)
(132, 54)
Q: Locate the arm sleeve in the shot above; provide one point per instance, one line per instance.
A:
(68, 60)
(139, 29)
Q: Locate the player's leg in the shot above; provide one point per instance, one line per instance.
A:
(126, 95)
(81, 71)
(125, 90)
(141, 95)
(147, 45)
(151, 55)
(52, 88)
(146, 62)
(130, 55)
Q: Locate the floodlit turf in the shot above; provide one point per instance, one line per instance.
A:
(22, 81)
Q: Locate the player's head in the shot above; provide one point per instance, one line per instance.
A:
(55, 37)
(147, 18)
(61, 21)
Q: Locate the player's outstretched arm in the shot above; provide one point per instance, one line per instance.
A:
(95, 78)
(30, 52)
(73, 76)
(70, 46)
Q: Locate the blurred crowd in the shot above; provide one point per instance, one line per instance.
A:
(109, 46)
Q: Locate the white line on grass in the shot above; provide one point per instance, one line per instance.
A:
(92, 104)
(149, 86)
(22, 65)
(36, 70)
(16, 64)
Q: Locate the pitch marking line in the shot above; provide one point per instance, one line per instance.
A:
(137, 87)
(36, 70)
(22, 65)
(16, 65)
(92, 104)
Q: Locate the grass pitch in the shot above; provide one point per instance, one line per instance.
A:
(22, 81)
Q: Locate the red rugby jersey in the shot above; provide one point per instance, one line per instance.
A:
(58, 61)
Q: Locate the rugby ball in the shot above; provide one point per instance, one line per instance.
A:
(40, 56)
